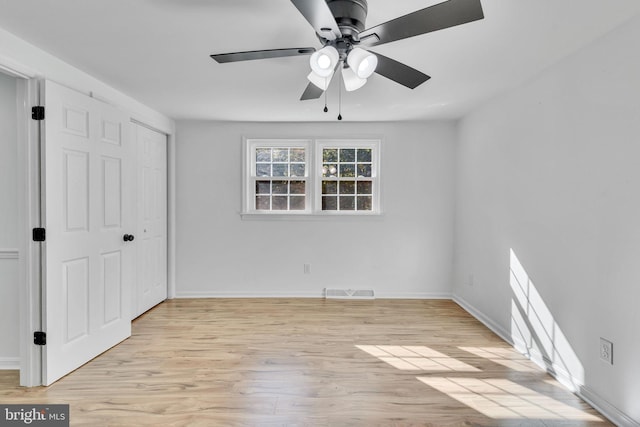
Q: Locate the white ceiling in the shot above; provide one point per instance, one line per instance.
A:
(157, 51)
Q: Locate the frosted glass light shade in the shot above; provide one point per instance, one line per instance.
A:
(324, 61)
(351, 81)
(362, 62)
(321, 82)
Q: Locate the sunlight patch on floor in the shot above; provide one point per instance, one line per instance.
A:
(504, 399)
(416, 358)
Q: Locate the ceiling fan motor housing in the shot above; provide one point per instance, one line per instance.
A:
(350, 16)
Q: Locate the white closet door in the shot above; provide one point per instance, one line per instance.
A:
(152, 218)
(89, 190)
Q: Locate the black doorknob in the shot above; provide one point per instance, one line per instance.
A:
(128, 237)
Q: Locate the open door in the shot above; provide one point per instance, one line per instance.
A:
(89, 191)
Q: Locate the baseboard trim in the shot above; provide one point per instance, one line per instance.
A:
(9, 363)
(614, 415)
(486, 321)
(601, 405)
(413, 295)
(379, 295)
(188, 294)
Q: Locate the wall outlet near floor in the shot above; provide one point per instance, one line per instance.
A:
(606, 351)
(470, 280)
(307, 269)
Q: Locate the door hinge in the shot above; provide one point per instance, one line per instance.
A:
(37, 112)
(40, 338)
(39, 234)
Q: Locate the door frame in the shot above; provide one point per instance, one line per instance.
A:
(30, 215)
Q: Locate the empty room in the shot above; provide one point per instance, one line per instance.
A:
(319, 212)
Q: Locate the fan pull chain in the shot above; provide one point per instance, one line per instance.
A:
(340, 98)
(325, 95)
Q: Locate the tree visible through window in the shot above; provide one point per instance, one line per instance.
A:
(346, 179)
(278, 184)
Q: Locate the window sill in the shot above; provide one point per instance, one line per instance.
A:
(250, 216)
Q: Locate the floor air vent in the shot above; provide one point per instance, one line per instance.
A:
(330, 293)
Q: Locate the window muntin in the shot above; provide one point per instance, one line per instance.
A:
(336, 177)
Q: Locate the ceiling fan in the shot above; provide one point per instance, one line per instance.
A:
(340, 27)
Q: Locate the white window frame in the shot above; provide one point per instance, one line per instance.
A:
(313, 177)
(250, 177)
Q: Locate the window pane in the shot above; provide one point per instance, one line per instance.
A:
(280, 154)
(263, 170)
(280, 170)
(262, 203)
(329, 203)
(364, 187)
(364, 154)
(279, 203)
(297, 187)
(280, 187)
(347, 155)
(364, 170)
(297, 154)
(296, 203)
(263, 154)
(263, 187)
(347, 187)
(347, 170)
(329, 170)
(330, 155)
(329, 187)
(297, 169)
(347, 203)
(364, 203)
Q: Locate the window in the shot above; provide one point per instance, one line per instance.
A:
(347, 177)
(279, 173)
(317, 177)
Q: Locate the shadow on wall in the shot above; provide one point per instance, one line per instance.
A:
(535, 332)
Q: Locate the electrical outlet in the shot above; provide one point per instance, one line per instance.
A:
(470, 280)
(307, 269)
(606, 351)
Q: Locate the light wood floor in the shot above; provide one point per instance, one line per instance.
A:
(273, 362)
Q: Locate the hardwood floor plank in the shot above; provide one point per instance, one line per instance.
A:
(274, 362)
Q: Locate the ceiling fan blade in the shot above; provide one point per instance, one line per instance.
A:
(399, 72)
(320, 17)
(261, 54)
(433, 18)
(311, 92)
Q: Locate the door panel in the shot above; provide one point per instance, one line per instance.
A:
(88, 207)
(152, 218)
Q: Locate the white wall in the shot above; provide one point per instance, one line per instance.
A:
(9, 345)
(23, 58)
(407, 252)
(550, 171)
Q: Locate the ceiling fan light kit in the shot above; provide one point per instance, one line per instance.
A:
(363, 63)
(324, 61)
(340, 28)
(321, 83)
(351, 80)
